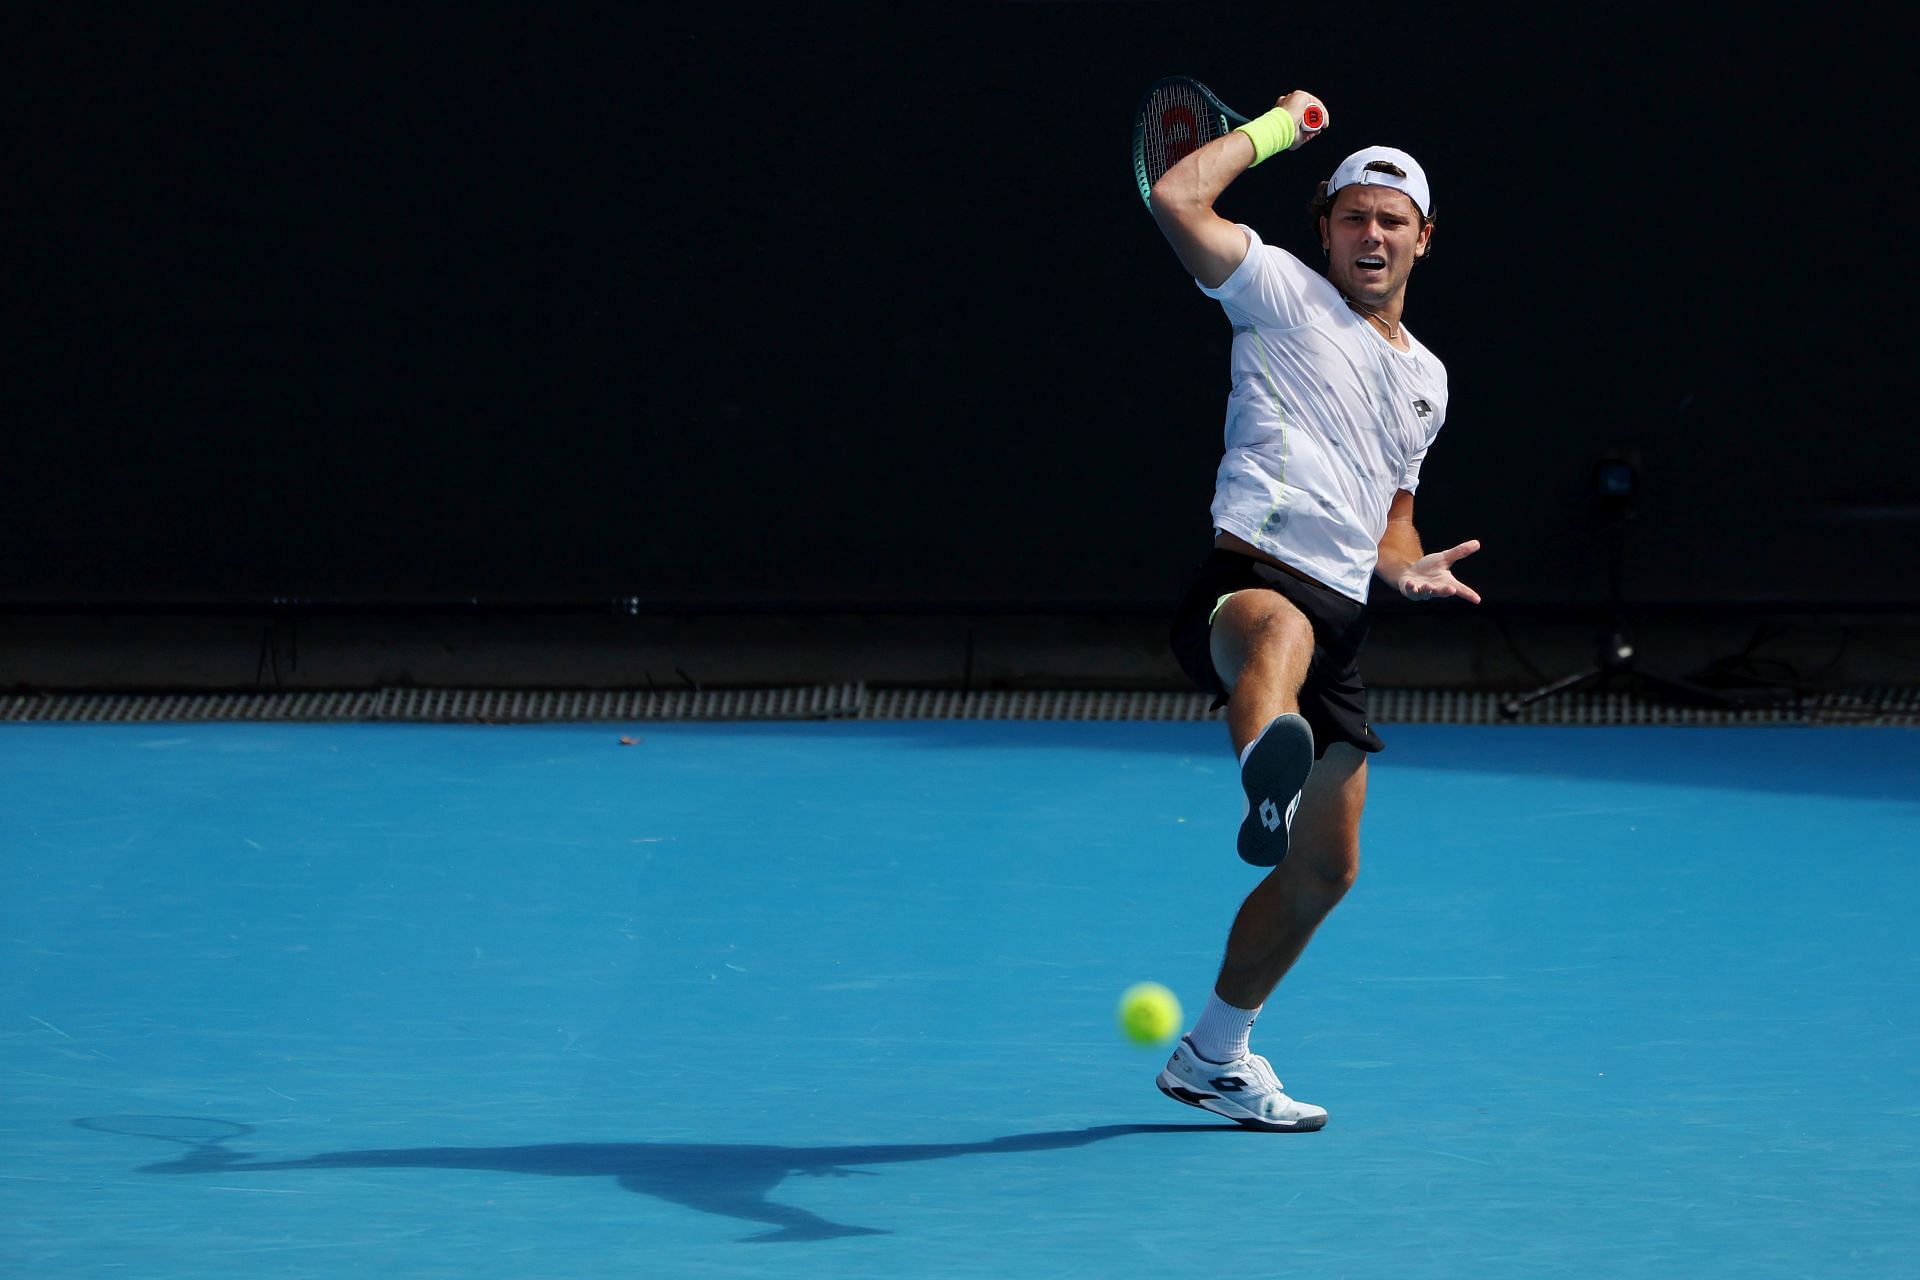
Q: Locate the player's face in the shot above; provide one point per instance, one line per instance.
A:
(1372, 236)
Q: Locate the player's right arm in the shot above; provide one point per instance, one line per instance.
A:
(1209, 246)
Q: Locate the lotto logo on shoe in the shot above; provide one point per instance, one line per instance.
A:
(1271, 817)
(1228, 1084)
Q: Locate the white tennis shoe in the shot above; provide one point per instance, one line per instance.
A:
(1245, 1091)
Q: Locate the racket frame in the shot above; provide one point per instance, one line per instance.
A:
(1224, 120)
(203, 1132)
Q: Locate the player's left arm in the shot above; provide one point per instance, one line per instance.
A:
(1409, 568)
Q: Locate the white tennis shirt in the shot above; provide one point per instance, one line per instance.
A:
(1325, 421)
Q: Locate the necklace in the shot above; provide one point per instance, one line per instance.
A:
(1393, 330)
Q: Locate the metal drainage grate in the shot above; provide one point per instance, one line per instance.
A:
(117, 708)
(1872, 706)
(492, 705)
(1868, 706)
(830, 702)
(935, 704)
(1884, 706)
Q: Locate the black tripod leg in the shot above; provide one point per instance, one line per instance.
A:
(1514, 706)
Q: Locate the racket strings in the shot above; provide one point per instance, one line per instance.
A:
(1175, 121)
(191, 1131)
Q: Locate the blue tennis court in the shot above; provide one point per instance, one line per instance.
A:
(836, 999)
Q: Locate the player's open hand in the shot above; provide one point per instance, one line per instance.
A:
(1431, 576)
(1309, 116)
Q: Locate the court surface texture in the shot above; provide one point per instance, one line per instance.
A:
(837, 999)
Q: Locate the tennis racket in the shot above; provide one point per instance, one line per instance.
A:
(1179, 115)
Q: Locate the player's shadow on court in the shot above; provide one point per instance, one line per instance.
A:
(720, 1178)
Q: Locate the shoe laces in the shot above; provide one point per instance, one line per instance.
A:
(1262, 1072)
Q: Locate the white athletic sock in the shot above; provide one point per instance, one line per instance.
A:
(1221, 1033)
(1248, 749)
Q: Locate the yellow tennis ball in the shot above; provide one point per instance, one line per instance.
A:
(1149, 1013)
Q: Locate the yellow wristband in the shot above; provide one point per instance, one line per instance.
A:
(1270, 133)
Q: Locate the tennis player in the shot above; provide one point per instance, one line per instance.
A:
(1333, 405)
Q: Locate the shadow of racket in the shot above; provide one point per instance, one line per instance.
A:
(205, 1139)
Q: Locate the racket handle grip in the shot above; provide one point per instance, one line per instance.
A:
(1314, 118)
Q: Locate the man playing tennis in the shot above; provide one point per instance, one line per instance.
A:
(1332, 408)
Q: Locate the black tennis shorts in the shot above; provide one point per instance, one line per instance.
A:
(1334, 698)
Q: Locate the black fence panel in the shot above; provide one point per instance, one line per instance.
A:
(857, 308)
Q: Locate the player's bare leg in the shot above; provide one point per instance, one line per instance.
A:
(1213, 1068)
(1262, 649)
(1279, 917)
(1262, 645)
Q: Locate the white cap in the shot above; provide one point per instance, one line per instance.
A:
(1354, 170)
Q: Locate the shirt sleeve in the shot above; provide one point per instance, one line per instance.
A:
(1271, 289)
(1410, 474)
